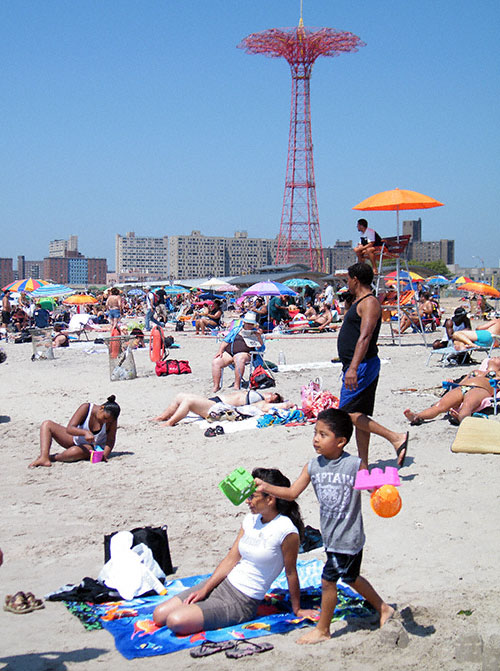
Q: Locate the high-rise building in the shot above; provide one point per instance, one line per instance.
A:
(141, 255)
(413, 228)
(198, 255)
(435, 250)
(74, 269)
(6, 272)
(339, 257)
(60, 247)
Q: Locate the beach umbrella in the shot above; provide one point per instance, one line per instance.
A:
(51, 291)
(27, 285)
(175, 289)
(135, 292)
(217, 284)
(80, 299)
(396, 200)
(480, 288)
(299, 283)
(437, 281)
(269, 288)
(404, 275)
(461, 280)
(47, 303)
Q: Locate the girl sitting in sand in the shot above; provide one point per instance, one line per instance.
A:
(184, 403)
(92, 426)
(267, 541)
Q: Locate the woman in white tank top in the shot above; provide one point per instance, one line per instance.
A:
(92, 427)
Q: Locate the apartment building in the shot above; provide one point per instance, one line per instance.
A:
(198, 255)
(141, 255)
(60, 247)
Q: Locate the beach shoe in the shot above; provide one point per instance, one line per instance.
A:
(17, 603)
(213, 431)
(215, 416)
(245, 647)
(211, 647)
(36, 604)
(230, 415)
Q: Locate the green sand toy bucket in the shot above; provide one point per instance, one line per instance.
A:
(238, 486)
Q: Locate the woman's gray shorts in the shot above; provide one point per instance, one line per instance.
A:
(224, 606)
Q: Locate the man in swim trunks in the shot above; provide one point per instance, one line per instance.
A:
(481, 337)
(357, 349)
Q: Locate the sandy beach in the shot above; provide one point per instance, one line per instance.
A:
(437, 557)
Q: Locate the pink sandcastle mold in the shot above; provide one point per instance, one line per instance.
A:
(376, 478)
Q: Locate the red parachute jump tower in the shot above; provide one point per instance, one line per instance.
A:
(300, 237)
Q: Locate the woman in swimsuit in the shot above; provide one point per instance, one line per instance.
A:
(184, 403)
(91, 427)
(462, 400)
(481, 337)
(211, 320)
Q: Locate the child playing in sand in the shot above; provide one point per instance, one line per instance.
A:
(332, 474)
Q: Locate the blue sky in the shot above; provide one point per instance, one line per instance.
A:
(122, 115)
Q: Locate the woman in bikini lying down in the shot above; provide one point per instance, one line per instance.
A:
(184, 403)
(462, 400)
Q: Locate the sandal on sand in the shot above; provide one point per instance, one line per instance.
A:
(33, 602)
(417, 422)
(403, 447)
(244, 648)
(17, 603)
(214, 431)
(211, 647)
(215, 416)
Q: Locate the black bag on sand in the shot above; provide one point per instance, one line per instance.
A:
(179, 326)
(156, 538)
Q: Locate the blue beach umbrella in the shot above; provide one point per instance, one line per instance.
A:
(300, 283)
(437, 281)
(52, 291)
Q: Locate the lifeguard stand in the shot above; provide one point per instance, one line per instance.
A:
(395, 248)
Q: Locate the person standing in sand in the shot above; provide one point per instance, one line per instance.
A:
(332, 474)
(114, 307)
(92, 426)
(6, 311)
(358, 353)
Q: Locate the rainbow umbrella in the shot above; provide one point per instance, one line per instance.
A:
(462, 280)
(403, 275)
(27, 285)
(437, 281)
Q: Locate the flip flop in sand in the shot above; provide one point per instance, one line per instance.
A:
(211, 647)
(403, 448)
(36, 604)
(17, 603)
(244, 648)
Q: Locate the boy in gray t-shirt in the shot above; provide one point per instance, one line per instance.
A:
(332, 474)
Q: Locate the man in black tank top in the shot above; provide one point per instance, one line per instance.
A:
(357, 348)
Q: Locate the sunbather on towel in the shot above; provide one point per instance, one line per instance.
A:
(462, 400)
(481, 337)
(267, 541)
(184, 403)
(91, 427)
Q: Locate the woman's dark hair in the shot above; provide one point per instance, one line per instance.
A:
(288, 508)
(217, 302)
(111, 407)
(338, 421)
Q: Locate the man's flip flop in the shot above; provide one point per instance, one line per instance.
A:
(404, 447)
(211, 647)
(245, 648)
(33, 602)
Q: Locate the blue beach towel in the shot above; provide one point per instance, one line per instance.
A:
(136, 635)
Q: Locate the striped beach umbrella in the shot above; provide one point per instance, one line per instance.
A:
(27, 285)
(51, 291)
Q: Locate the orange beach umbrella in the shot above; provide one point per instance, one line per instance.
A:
(398, 199)
(480, 288)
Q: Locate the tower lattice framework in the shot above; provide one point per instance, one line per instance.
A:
(299, 238)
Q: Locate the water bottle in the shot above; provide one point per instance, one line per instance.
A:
(281, 359)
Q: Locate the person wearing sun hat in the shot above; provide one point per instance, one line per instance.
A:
(245, 337)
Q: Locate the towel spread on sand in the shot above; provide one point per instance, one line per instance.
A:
(136, 635)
